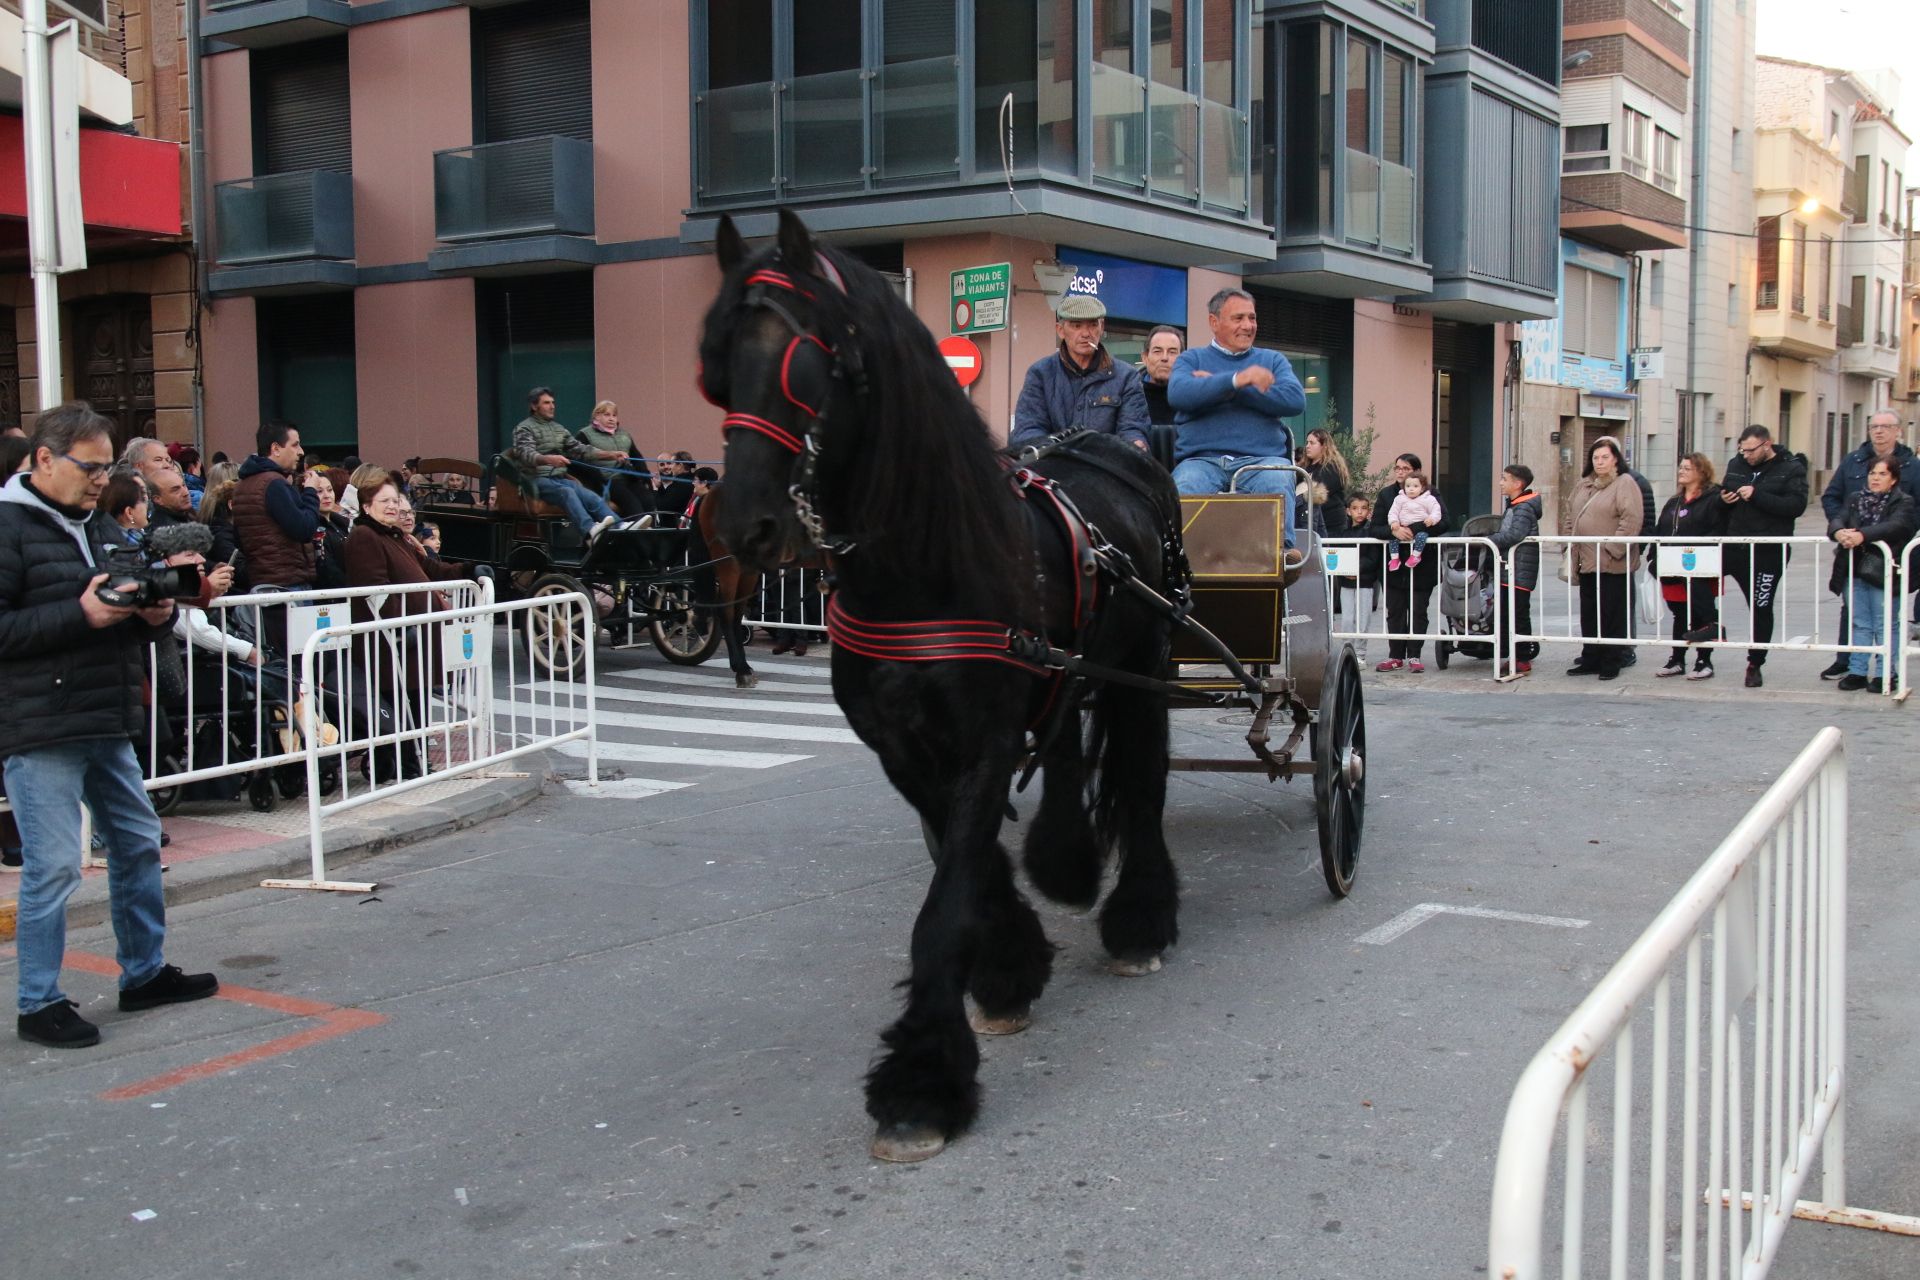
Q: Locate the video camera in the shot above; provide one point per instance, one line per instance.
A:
(136, 578)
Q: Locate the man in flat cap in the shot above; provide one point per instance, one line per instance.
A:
(1080, 385)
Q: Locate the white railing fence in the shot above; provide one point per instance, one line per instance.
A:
(1738, 989)
(1800, 620)
(1462, 608)
(789, 600)
(412, 699)
(1909, 631)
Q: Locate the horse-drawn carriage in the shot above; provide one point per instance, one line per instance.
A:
(642, 581)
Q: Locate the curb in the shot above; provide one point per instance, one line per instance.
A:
(347, 844)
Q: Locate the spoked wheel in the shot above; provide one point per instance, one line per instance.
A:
(684, 635)
(559, 637)
(1340, 772)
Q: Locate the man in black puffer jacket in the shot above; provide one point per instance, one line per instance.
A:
(1766, 491)
(71, 675)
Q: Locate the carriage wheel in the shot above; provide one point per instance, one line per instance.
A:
(684, 635)
(559, 639)
(1340, 773)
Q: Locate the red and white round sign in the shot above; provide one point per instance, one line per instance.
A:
(963, 357)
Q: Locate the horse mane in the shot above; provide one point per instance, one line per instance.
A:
(926, 491)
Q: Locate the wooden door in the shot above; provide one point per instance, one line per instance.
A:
(113, 358)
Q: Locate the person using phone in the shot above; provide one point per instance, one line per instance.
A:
(277, 520)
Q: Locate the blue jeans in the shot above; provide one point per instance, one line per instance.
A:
(1868, 608)
(46, 786)
(585, 508)
(1214, 474)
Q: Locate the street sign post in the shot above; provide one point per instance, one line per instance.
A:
(978, 298)
(963, 357)
(1649, 362)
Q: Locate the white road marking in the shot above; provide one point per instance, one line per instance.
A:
(817, 670)
(1416, 916)
(621, 788)
(631, 753)
(720, 679)
(690, 727)
(665, 698)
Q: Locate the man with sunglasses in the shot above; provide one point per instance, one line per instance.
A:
(71, 674)
(1766, 488)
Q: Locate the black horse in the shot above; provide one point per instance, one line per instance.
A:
(846, 430)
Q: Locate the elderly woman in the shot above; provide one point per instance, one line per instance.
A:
(1872, 530)
(1605, 504)
(380, 552)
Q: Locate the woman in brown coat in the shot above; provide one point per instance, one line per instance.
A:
(381, 553)
(1605, 504)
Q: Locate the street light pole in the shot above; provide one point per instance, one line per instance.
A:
(42, 229)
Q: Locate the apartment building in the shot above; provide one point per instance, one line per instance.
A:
(126, 324)
(1873, 266)
(419, 210)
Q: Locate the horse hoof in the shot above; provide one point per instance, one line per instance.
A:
(906, 1144)
(746, 679)
(1131, 968)
(1006, 1024)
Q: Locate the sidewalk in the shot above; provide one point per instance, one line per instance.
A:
(222, 846)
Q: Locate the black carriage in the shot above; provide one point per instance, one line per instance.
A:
(642, 581)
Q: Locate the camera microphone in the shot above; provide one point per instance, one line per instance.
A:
(173, 539)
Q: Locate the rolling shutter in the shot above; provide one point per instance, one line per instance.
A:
(301, 118)
(533, 69)
(1301, 322)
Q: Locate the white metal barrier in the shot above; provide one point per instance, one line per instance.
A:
(1796, 621)
(233, 717)
(1469, 609)
(1909, 633)
(415, 701)
(789, 600)
(1756, 943)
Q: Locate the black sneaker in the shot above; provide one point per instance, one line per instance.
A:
(1674, 667)
(1834, 672)
(1629, 658)
(9, 857)
(1753, 676)
(169, 986)
(1851, 683)
(58, 1026)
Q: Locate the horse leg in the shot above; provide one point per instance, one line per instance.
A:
(731, 585)
(1061, 856)
(923, 1092)
(1141, 917)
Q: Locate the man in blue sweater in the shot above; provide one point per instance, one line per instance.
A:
(1229, 398)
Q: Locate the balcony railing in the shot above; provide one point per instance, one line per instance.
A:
(1768, 298)
(1379, 202)
(284, 216)
(529, 186)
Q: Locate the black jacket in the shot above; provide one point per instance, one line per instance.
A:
(1697, 521)
(1894, 530)
(1779, 495)
(1331, 515)
(1647, 504)
(1519, 524)
(1159, 411)
(61, 680)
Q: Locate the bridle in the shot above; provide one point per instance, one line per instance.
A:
(774, 290)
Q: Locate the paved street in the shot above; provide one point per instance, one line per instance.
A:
(624, 1036)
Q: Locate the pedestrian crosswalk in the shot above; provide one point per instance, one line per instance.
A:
(686, 726)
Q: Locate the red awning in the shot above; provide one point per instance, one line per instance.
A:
(126, 183)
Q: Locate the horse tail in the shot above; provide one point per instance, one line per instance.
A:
(1127, 744)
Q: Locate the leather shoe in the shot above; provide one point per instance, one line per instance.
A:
(782, 645)
(58, 1026)
(1582, 669)
(1837, 670)
(1753, 677)
(1851, 683)
(169, 986)
(799, 648)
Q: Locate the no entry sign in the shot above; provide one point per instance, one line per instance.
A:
(963, 357)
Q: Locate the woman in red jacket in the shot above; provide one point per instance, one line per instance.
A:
(398, 665)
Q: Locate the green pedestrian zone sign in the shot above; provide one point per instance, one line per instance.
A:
(979, 298)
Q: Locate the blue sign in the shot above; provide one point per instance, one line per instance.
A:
(1688, 560)
(1131, 290)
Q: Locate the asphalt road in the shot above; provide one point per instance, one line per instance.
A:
(624, 1036)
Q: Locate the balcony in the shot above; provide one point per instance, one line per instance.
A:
(261, 24)
(1879, 360)
(1792, 333)
(1621, 212)
(284, 233)
(1788, 162)
(524, 203)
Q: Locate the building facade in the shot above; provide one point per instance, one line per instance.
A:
(127, 323)
(1872, 270)
(418, 211)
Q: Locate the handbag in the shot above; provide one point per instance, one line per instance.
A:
(1567, 557)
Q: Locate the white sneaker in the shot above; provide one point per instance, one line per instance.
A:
(641, 522)
(605, 524)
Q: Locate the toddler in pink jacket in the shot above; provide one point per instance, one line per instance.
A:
(1415, 504)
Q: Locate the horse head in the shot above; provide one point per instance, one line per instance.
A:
(768, 357)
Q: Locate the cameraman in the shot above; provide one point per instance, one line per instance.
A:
(70, 694)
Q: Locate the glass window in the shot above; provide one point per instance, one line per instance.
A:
(1359, 94)
(1584, 149)
(916, 98)
(828, 39)
(1590, 314)
(1800, 267)
(1058, 48)
(739, 42)
(1666, 160)
(1634, 142)
(1307, 130)
(825, 133)
(1113, 34)
(1396, 81)
(1167, 41)
(1005, 66)
(1216, 51)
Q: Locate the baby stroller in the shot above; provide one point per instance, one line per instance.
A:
(1468, 579)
